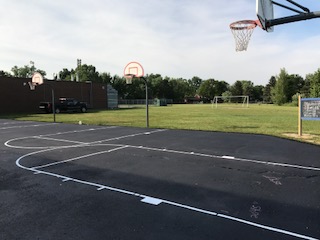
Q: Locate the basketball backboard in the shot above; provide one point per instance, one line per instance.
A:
(135, 69)
(37, 79)
(264, 10)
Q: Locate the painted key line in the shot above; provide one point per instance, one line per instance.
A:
(145, 198)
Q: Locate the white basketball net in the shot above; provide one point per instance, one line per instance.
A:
(242, 31)
(129, 78)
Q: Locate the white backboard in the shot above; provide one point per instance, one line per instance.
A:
(264, 9)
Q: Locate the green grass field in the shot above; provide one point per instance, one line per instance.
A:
(273, 120)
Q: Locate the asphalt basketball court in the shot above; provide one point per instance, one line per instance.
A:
(62, 181)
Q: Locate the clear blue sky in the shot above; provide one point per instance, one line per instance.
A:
(176, 38)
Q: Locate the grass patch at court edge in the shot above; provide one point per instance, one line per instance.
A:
(281, 121)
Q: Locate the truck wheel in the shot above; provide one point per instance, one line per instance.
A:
(83, 109)
(57, 110)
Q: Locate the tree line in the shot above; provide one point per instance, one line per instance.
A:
(281, 89)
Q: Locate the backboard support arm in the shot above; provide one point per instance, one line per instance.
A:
(294, 18)
(286, 7)
(299, 6)
(290, 8)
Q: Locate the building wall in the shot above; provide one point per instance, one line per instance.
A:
(16, 96)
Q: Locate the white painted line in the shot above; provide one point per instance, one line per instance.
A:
(190, 208)
(8, 123)
(228, 157)
(154, 201)
(128, 136)
(151, 200)
(231, 158)
(75, 131)
(80, 157)
(59, 140)
(26, 126)
(273, 229)
(8, 143)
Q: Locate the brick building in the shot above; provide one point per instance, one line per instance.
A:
(16, 96)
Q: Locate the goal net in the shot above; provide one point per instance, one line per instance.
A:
(231, 101)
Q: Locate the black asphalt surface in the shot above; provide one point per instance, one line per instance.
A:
(63, 181)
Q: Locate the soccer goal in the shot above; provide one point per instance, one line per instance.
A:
(231, 101)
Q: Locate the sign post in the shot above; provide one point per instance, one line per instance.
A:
(299, 117)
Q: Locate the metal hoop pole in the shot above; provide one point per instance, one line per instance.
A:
(53, 104)
(147, 102)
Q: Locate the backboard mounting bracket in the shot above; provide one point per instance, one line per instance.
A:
(266, 16)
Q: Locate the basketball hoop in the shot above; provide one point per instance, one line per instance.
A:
(129, 78)
(133, 70)
(36, 80)
(242, 31)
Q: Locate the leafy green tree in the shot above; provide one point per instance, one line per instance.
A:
(180, 89)
(236, 89)
(5, 74)
(120, 85)
(226, 96)
(257, 94)
(87, 73)
(247, 88)
(295, 98)
(208, 89)
(221, 87)
(305, 90)
(279, 90)
(65, 74)
(267, 90)
(84, 73)
(26, 71)
(195, 84)
(105, 77)
(154, 84)
(211, 88)
(162, 89)
(314, 80)
(136, 90)
(295, 84)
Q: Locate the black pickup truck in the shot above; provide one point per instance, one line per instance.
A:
(64, 105)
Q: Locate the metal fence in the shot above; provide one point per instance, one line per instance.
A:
(141, 101)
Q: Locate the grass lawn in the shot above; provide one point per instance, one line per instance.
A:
(270, 119)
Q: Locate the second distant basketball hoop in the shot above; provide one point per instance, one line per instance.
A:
(133, 70)
(37, 79)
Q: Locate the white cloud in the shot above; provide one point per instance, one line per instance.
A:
(176, 38)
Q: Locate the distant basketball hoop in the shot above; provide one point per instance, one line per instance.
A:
(133, 69)
(36, 80)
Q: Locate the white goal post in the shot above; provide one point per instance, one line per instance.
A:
(241, 99)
